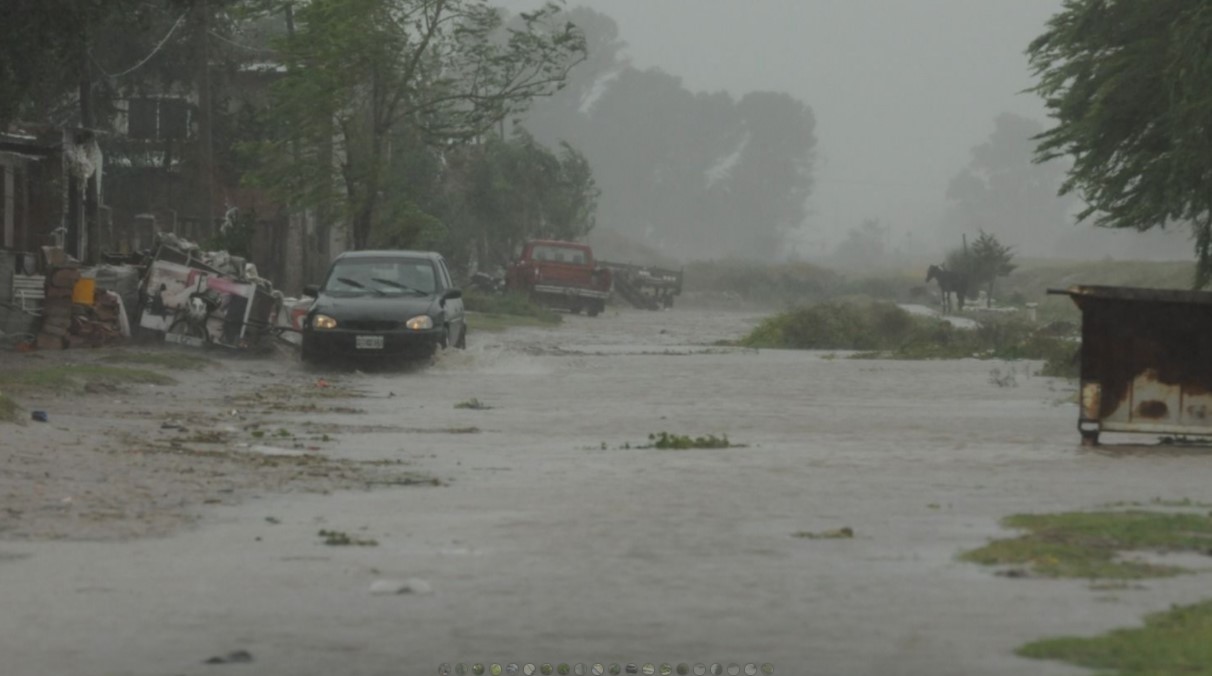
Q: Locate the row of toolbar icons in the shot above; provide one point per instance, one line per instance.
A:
(599, 669)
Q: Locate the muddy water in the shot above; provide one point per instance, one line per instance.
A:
(546, 547)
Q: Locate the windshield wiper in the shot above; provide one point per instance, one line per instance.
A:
(356, 284)
(397, 285)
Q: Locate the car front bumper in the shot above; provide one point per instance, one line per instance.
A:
(338, 342)
(570, 291)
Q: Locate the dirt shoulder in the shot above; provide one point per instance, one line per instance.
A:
(138, 441)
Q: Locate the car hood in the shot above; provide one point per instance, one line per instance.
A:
(399, 307)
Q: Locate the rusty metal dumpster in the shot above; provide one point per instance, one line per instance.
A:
(1146, 361)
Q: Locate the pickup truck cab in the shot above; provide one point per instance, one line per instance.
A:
(561, 274)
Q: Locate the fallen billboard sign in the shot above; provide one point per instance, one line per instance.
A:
(193, 303)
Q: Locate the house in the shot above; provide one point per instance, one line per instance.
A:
(45, 178)
(50, 194)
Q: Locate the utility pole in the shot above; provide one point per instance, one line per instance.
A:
(206, 166)
(91, 251)
(294, 266)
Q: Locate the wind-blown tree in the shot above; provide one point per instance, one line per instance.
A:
(695, 174)
(44, 51)
(769, 185)
(1129, 84)
(505, 191)
(1003, 192)
(360, 70)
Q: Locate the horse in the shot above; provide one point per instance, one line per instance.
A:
(949, 282)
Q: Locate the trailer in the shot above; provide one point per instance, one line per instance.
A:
(644, 286)
(1146, 361)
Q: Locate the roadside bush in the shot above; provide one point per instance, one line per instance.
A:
(882, 330)
(845, 325)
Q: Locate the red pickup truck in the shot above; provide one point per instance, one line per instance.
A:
(561, 274)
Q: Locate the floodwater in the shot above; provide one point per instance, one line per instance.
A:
(552, 541)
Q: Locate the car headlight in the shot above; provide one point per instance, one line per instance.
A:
(323, 322)
(420, 323)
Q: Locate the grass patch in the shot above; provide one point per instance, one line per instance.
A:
(75, 377)
(169, 360)
(508, 309)
(880, 330)
(680, 442)
(9, 411)
(1088, 544)
(1177, 641)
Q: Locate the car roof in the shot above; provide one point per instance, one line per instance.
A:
(390, 253)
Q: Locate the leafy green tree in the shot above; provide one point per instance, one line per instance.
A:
(44, 47)
(1129, 84)
(360, 70)
(990, 259)
(981, 263)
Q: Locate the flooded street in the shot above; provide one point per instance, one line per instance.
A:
(555, 539)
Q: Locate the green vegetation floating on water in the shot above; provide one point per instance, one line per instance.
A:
(1178, 641)
(1089, 544)
(679, 442)
(883, 330)
(473, 404)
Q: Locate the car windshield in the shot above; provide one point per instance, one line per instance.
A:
(382, 276)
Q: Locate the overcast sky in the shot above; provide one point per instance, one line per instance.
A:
(902, 89)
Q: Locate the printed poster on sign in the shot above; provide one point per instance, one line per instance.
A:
(194, 306)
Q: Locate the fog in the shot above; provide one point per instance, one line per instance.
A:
(901, 92)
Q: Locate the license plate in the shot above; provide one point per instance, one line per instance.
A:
(368, 342)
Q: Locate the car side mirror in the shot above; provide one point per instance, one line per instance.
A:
(311, 291)
(452, 294)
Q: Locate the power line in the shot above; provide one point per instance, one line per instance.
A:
(145, 59)
(242, 46)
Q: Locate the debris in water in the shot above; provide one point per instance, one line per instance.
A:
(336, 538)
(843, 533)
(473, 404)
(392, 587)
(234, 657)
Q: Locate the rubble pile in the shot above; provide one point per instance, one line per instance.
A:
(177, 291)
(195, 297)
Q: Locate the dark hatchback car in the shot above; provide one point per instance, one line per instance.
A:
(399, 304)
